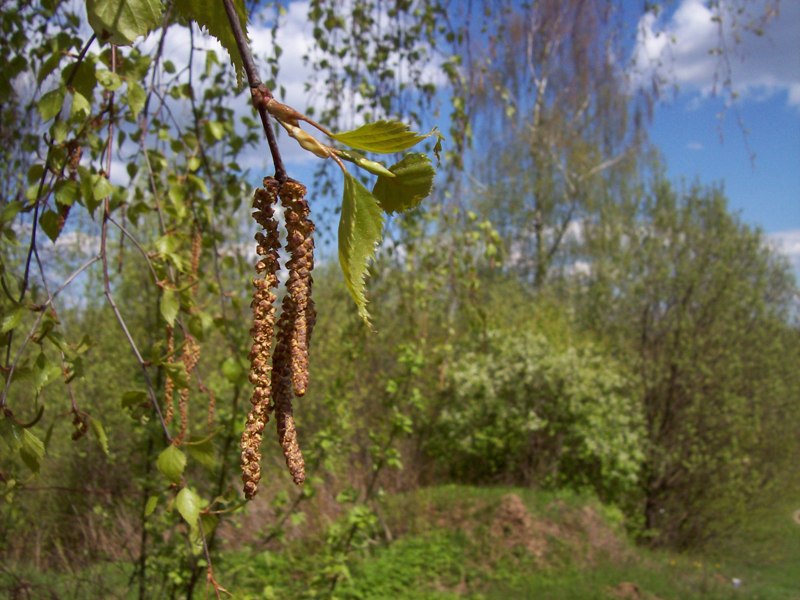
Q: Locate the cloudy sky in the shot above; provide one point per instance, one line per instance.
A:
(752, 147)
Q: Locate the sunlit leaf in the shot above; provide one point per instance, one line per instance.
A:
(212, 17)
(50, 222)
(171, 463)
(150, 505)
(31, 450)
(120, 22)
(136, 97)
(100, 433)
(12, 319)
(50, 104)
(412, 183)
(188, 504)
(360, 230)
(170, 304)
(382, 136)
(80, 106)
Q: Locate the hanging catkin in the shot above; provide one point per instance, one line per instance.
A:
(263, 306)
(300, 245)
(290, 361)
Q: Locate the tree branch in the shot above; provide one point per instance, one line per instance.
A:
(260, 92)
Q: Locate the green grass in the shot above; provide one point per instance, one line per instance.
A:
(456, 561)
(448, 543)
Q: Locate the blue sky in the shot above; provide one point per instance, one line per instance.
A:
(751, 146)
(695, 143)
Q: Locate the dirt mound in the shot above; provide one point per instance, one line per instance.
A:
(625, 590)
(513, 526)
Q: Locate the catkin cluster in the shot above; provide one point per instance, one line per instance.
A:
(278, 378)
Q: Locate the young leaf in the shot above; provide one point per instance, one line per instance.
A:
(136, 97)
(100, 434)
(373, 167)
(122, 21)
(212, 17)
(50, 104)
(169, 305)
(360, 229)
(188, 504)
(383, 137)
(49, 222)
(412, 182)
(150, 506)
(80, 106)
(31, 450)
(171, 463)
(12, 319)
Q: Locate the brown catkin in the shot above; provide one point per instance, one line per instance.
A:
(282, 392)
(300, 245)
(263, 306)
(190, 357)
(169, 385)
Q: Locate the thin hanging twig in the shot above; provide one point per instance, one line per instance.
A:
(258, 89)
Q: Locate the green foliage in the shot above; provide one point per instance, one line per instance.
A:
(383, 137)
(522, 410)
(171, 462)
(212, 17)
(120, 22)
(411, 183)
(360, 230)
(479, 369)
(700, 303)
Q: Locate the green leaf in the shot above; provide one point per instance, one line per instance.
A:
(232, 369)
(177, 372)
(193, 163)
(31, 450)
(150, 505)
(215, 130)
(80, 106)
(50, 222)
(373, 167)
(170, 304)
(109, 80)
(12, 319)
(45, 372)
(171, 463)
(136, 97)
(413, 182)
(50, 104)
(100, 433)
(360, 229)
(383, 137)
(212, 17)
(67, 191)
(120, 22)
(101, 188)
(134, 398)
(188, 504)
(203, 452)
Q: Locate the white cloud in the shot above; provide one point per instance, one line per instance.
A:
(696, 146)
(680, 49)
(788, 243)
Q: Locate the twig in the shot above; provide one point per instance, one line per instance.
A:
(39, 191)
(107, 279)
(42, 310)
(257, 88)
(138, 246)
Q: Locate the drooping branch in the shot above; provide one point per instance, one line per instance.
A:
(260, 92)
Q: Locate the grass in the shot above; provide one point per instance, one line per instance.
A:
(453, 542)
